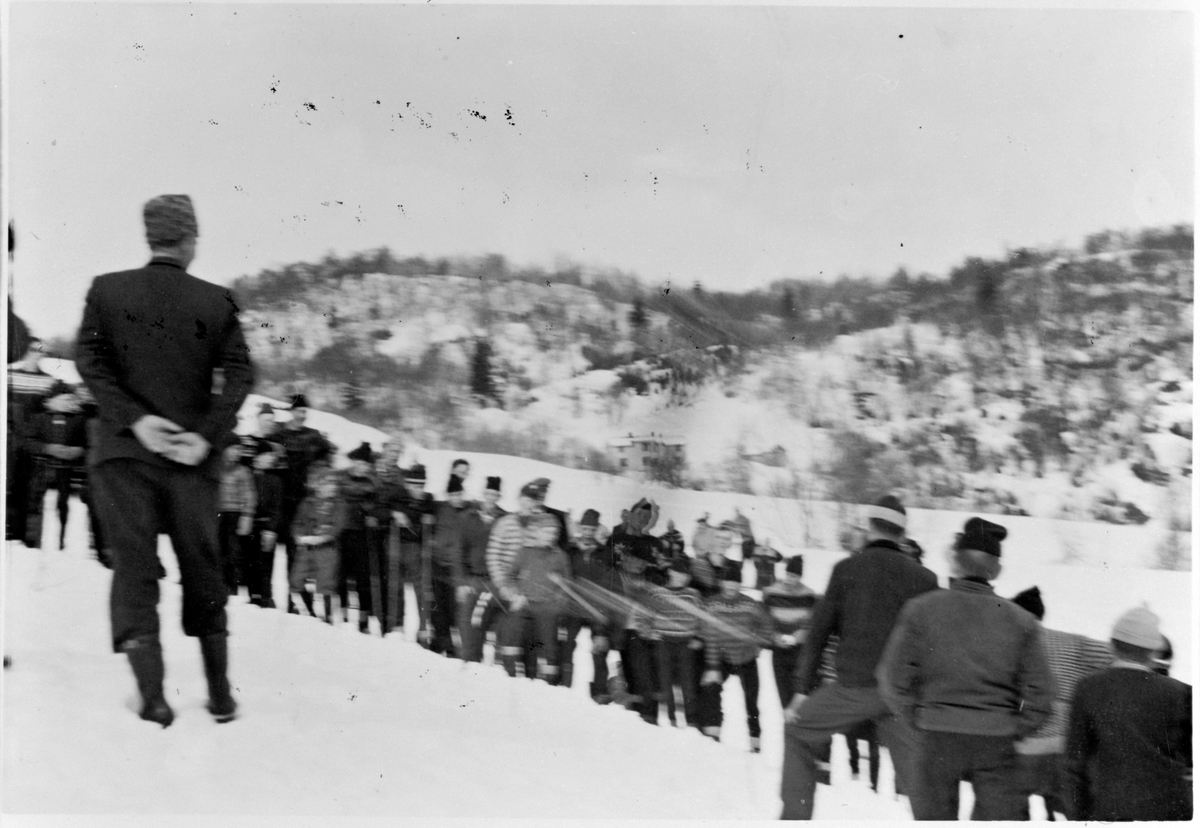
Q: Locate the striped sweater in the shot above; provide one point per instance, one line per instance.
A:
(667, 619)
(791, 609)
(742, 625)
(1072, 657)
(504, 542)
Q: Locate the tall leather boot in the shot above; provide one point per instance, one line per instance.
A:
(328, 609)
(215, 650)
(145, 657)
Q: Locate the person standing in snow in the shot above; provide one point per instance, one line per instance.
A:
(537, 603)
(765, 559)
(732, 641)
(411, 512)
(674, 633)
(967, 669)
(470, 578)
(790, 604)
(579, 552)
(269, 464)
(238, 502)
(360, 493)
(506, 539)
(59, 440)
(391, 498)
(1129, 735)
(320, 518)
(595, 569)
(302, 447)
(638, 554)
(861, 603)
(486, 608)
(148, 346)
(456, 526)
(1040, 755)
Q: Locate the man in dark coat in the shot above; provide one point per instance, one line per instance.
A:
(303, 446)
(1129, 737)
(967, 669)
(864, 597)
(149, 344)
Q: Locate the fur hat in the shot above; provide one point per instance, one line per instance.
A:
(169, 220)
(455, 484)
(299, 401)
(590, 518)
(890, 510)
(1139, 628)
(363, 452)
(536, 489)
(795, 565)
(493, 484)
(1031, 601)
(983, 535)
(416, 474)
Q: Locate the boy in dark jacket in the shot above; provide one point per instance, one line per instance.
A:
(534, 610)
(1129, 737)
(595, 566)
(861, 603)
(320, 518)
(968, 670)
(732, 640)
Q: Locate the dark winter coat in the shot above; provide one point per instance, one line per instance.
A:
(1129, 747)
(317, 516)
(135, 359)
(460, 541)
(303, 446)
(865, 594)
(414, 509)
(964, 660)
(360, 494)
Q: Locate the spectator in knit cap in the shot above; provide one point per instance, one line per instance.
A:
(1129, 736)
(506, 539)
(968, 670)
(864, 596)
(790, 604)
(1040, 755)
(489, 509)
(594, 565)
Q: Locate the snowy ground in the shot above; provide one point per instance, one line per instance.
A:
(338, 724)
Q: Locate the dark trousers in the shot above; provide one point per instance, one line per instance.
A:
(710, 696)
(291, 504)
(441, 613)
(674, 662)
(989, 763)
(135, 499)
(783, 664)
(599, 684)
(1041, 774)
(641, 677)
(355, 546)
(235, 549)
(865, 732)
(470, 636)
(568, 638)
(20, 482)
(527, 637)
(379, 573)
(408, 571)
(835, 709)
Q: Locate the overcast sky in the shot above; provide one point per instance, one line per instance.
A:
(726, 145)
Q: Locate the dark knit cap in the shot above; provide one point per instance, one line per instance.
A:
(795, 565)
(455, 484)
(983, 535)
(1031, 601)
(590, 518)
(299, 401)
(460, 462)
(536, 489)
(363, 452)
(493, 484)
(416, 474)
(169, 220)
(681, 564)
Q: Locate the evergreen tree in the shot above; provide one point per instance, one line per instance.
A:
(637, 316)
(482, 384)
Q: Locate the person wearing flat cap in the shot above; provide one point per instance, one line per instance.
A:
(149, 343)
(865, 594)
(967, 669)
(1129, 738)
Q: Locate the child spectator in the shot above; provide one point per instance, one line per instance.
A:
(673, 629)
(790, 604)
(533, 614)
(320, 518)
(237, 504)
(732, 640)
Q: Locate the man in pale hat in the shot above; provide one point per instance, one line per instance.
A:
(150, 342)
(1129, 737)
(861, 603)
(968, 671)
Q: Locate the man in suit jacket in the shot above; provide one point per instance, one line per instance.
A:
(1129, 737)
(150, 346)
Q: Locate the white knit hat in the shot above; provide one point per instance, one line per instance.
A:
(1139, 627)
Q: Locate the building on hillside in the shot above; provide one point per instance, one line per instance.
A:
(636, 453)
